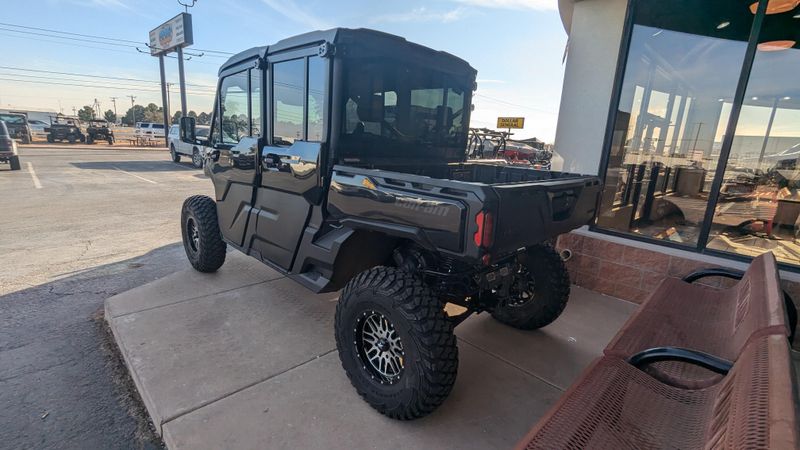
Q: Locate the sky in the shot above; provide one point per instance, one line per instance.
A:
(517, 47)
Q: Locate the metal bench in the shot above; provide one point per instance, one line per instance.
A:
(716, 322)
(615, 405)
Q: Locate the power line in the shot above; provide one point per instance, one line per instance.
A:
(514, 104)
(98, 37)
(21, 69)
(139, 89)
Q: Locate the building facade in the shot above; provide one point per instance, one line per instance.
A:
(689, 110)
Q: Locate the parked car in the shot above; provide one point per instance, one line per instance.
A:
(8, 148)
(65, 128)
(37, 126)
(18, 127)
(370, 191)
(148, 131)
(177, 148)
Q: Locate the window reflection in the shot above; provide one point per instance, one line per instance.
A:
(678, 86)
(759, 202)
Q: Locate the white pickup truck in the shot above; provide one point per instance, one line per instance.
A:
(178, 148)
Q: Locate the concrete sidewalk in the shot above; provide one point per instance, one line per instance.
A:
(245, 358)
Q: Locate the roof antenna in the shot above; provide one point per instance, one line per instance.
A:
(186, 5)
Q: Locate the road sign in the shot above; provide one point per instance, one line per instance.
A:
(172, 34)
(510, 122)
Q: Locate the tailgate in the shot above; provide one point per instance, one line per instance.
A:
(530, 213)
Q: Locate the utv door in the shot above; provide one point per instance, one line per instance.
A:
(235, 140)
(290, 179)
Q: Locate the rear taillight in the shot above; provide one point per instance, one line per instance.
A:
(484, 237)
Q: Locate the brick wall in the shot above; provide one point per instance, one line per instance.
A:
(629, 272)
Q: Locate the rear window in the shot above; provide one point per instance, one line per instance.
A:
(202, 132)
(9, 118)
(159, 126)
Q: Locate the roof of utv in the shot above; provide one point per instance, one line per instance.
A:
(361, 36)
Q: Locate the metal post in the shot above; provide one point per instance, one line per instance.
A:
(182, 81)
(164, 106)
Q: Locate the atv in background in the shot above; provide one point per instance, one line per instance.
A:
(496, 145)
(65, 128)
(18, 127)
(99, 130)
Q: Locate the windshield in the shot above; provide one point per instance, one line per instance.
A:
(395, 109)
(12, 118)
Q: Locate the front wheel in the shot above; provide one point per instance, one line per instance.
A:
(202, 240)
(14, 162)
(540, 291)
(176, 158)
(71, 139)
(395, 343)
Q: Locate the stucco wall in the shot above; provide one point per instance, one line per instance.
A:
(594, 41)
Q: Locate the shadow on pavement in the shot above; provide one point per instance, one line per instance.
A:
(134, 166)
(62, 381)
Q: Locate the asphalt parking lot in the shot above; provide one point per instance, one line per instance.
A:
(79, 225)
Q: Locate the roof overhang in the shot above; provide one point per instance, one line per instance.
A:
(565, 9)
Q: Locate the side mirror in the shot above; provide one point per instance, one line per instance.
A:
(187, 127)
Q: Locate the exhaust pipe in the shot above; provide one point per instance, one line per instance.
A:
(565, 254)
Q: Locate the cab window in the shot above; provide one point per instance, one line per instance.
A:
(299, 112)
(288, 87)
(235, 120)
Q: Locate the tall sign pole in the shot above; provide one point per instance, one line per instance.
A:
(165, 107)
(182, 81)
(172, 36)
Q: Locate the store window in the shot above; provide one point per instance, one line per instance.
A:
(758, 207)
(669, 142)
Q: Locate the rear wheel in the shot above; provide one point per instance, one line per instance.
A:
(173, 154)
(202, 240)
(197, 158)
(71, 139)
(14, 162)
(395, 343)
(50, 138)
(90, 140)
(110, 140)
(540, 291)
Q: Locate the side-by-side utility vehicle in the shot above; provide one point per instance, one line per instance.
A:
(338, 158)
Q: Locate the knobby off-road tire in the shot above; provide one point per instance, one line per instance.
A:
(14, 162)
(428, 353)
(173, 154)
(548, 281)
(26, 139)
(200, 231)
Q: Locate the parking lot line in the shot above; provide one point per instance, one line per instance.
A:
(134, 175)
(36, 181)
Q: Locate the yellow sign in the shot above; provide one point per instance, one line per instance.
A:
(510, 122)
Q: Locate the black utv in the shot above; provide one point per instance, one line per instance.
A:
(18, 127)
(99, 130)
(338, 158)
(65, 129)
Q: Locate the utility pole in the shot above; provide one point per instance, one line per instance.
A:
(133, 111)
(164, 101)
(96, 107)
(114, 101)
(74, 111)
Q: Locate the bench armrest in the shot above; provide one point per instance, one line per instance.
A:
(715, 272)
(702, 359)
